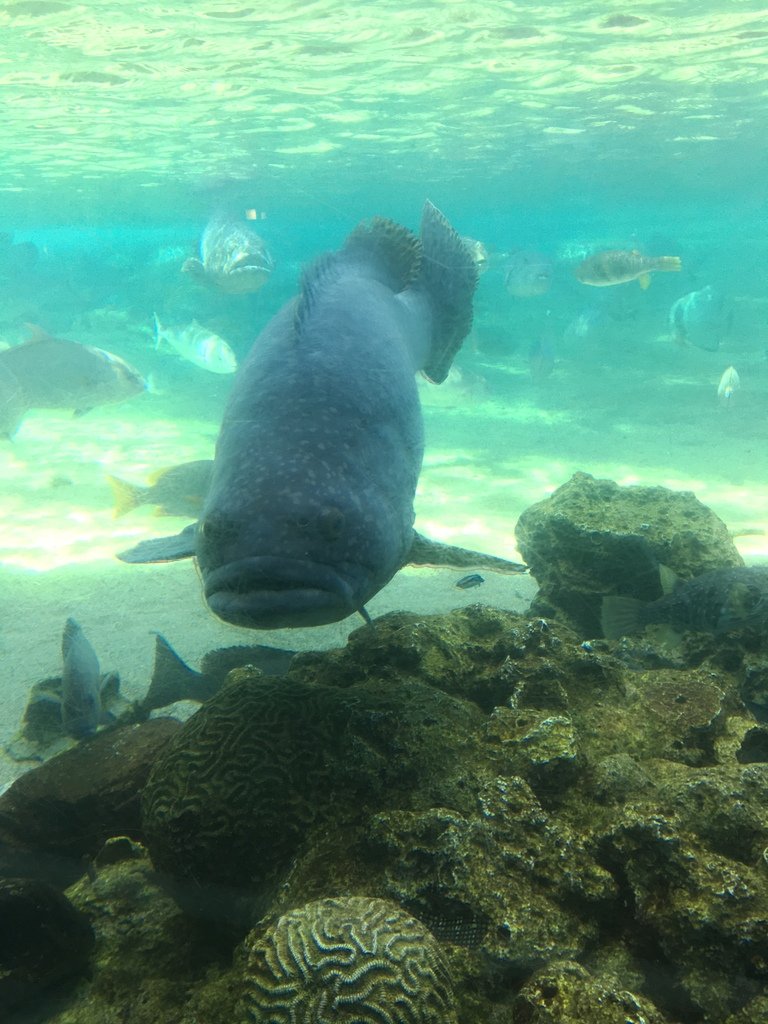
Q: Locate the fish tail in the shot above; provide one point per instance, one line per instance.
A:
(622, 616)
(127, 496)
(449, 273)
(172, 679)
(667, 263)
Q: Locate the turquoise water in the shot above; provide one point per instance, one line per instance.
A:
(560, 132)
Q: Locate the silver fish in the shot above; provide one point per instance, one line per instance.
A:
(57, 374)
(701, 318)
(197, 345)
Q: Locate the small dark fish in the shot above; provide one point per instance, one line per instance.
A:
(527, 274)
(703, 319)
(474, 579)
(233, 257)
(616, 266)
(178, 491)
(80, 683)
(58, 374)
(715, 602)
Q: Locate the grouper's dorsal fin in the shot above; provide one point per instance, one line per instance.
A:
(314, 278)
(381, 249)
(449, 274)
(392, 251)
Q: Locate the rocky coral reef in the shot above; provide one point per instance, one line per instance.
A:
(483, 814)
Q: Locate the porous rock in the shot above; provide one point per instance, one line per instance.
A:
(593, 537)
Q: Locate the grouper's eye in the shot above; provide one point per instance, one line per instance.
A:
(218, 530)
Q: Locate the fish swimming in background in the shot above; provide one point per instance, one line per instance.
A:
(715, 602)
(197, 345)
(58, 374)
(617, 266)
(527, 274)
(729, 384)
(177, 491)
(701, 318)
(233, 258)
(80, 684)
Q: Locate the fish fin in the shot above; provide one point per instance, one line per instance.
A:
(81, 412)
(425, 551)
(668, 578)
(162, 549)
(36, 333)
(172, 679)
(363, 613)
(393, 251)
(314, 278)
(449, 274)
(127, 496)
(644, 281)
(621, 616)
(157, 475)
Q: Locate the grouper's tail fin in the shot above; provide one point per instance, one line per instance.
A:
(449, 275)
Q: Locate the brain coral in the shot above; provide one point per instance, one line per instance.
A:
(350, 959)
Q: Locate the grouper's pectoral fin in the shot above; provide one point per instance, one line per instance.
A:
(162, 549)
(432, 552)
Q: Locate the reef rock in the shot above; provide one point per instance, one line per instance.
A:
(592, 537)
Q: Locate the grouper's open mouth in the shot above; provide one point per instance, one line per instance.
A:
(273, 593)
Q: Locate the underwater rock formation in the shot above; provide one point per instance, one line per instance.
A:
(43, 940)
(582, 826)
(347, 959)
(63, 810)
(592, 537)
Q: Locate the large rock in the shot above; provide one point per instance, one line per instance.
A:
(592, 537)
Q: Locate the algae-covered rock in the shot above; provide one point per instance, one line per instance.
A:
(565, 993)
(350, 958)
(592, 537)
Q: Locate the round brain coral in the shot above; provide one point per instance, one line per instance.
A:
(351, 959)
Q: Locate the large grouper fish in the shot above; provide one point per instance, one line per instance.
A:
(309, 512)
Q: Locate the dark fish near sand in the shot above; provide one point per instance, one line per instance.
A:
(715, 602)
(58, 374)
(178, 491)
(616, 266)
(233, 257)
(80, 683)
(527, 274)
(703, 319)
(307, 528)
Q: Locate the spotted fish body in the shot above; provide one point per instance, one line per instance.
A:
(617, 266)
(233, 258)
(310, 508)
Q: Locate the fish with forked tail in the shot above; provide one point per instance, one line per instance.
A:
(305, 530)
(176, 491)
(617, 266)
